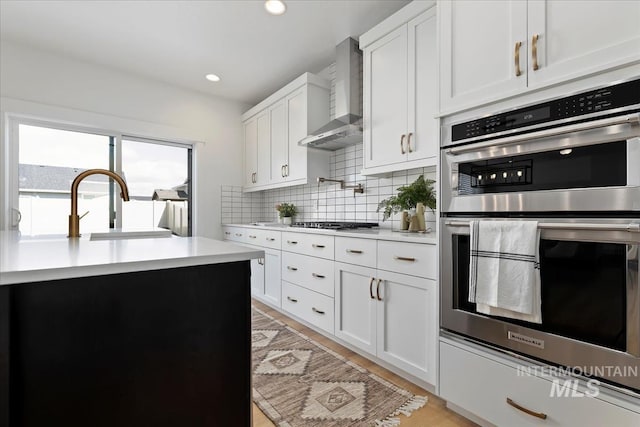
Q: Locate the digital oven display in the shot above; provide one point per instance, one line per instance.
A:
(529, 116)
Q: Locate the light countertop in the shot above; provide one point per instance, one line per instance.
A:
(52, 258)
(365, 233)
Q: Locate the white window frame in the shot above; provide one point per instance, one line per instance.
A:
(12, 159)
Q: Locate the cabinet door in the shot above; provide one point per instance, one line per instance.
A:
(250, 151)
(263, 169)
(355, 309)
(257, 277)
(296, 167)
(279, 142)
(478, 51)
(423, 134)
(407, 323)
(385, 99)
(272, 283)
(606, 35)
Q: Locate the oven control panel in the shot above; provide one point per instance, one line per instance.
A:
(594, 101)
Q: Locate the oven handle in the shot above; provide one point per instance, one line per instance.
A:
(632, 227)
(611, 121)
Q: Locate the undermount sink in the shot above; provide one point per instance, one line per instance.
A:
(119, 234)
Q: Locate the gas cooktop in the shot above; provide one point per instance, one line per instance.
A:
(333, 225)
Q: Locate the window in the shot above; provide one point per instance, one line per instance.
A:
(157, 173)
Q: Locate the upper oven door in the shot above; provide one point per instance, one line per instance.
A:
(591, 166)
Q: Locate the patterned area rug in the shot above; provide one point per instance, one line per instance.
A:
(298, 382)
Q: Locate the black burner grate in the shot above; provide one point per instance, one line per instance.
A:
(333, 225)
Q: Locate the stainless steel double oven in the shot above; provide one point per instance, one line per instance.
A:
(573, 165)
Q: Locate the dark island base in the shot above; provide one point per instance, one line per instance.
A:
(154, 348)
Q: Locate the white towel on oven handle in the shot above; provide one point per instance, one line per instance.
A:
(504, 272)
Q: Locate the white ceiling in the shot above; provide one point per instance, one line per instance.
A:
(178, 42)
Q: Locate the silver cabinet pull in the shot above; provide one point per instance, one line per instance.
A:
(238, 235)
(534, 51)
(378, 290)
(261, 261)
(317, 246)
(404, 258)
(292, 242)
(353, 251)
(291, 268)
(252, 237)
(402, 144)
(318, 276)
(540, 415)
(371, 288)
(227, 233)
(409, 142)
(317, 311)
(286, 170)
(292, 299)
(282, 171)
(517, 58)
(270, 239)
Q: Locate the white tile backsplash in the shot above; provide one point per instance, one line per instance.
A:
(324, 202)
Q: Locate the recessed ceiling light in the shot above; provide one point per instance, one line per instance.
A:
(275, 7)
(212, 78)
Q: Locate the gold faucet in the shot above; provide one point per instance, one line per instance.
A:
(74, 219)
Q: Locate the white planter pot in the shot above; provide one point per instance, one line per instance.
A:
(287, 220)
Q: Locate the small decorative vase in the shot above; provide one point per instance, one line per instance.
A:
(420, 214)
(404, 221)
(287, 220)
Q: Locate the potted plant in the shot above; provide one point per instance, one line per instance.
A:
(408, 198)
(287, 211)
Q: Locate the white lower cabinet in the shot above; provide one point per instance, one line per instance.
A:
(407, 323)
(356, 305)
(265, 271)
(483, 385)
(308, 305)
(272, 285)
(389, 315)
(257, 277)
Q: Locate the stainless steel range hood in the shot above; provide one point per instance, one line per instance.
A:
(346, 128)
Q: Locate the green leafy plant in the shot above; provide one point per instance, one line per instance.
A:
(286, 209)
(419, 191)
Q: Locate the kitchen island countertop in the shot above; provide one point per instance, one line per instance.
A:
(25, 260)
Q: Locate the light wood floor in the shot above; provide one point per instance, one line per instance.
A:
(434, 413)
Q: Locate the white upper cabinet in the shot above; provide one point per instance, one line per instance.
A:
(492, 50)
(578, 38)
(250, 151)
(483, 50)
(273, 157)
(400, 91)
(262, 175)
(385, 100)
(279, 141)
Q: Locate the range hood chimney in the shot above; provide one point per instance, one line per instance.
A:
(346, 128)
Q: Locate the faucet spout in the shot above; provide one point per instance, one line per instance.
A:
(74, 219)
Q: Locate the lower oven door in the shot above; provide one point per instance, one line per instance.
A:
(590, 297)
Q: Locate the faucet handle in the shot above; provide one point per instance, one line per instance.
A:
(83, 215)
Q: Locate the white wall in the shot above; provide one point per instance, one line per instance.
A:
(53, 87)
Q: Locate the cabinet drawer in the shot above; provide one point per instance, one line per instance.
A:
(265, 238)
(235, 234)
(310, 306)
(312, 273)
(482, 386)
(408, 258)
(308, 244)
(356, 251)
